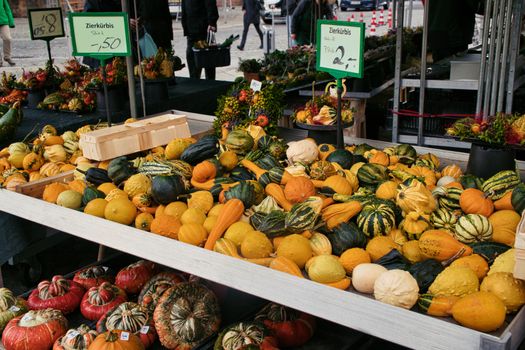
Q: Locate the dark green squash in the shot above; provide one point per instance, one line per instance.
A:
(273, 224)
(277, 149)
(239, 141)
(276, 174)
(167, 188)
(267, 162)
(346, 236)
(362, 148)
(96, 176)
(217, 187)
(244, 191)
(470, 181)
(425, 272)
(489, 250)
(256, 219)
(254, 155)
(342, 157)
(120, 169)
(264, 142)
(518, 198)
(372, 174)
(394, 260)
(9, 121)
(91, 193)
(406, 153)
(207, 147)
(241, 173)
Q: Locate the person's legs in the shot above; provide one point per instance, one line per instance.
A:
(190, 60)
(209, 73)
(5, 35)
(246, 25)
(258, 29)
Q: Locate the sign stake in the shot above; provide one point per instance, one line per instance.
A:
(105, 86)
(340, 139)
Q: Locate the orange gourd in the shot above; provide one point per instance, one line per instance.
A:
(32, 161)
(204, 171)
(380, 157)
(67, 167)
(441, 246)
(166, 225)
(454, 184)
(338, 184)
(35, 175)
(504, 203)
(298, 189)
(474, 201)
(343, 284)
(426, 173)
(229, 214)
(78, 186)
(113, 340)
(286, 265)
(254, 168)
(452, 170)
(53, 140)
(277, 193)
(52, 191)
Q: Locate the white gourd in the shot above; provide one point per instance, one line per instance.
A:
(396, 287)
(304, 151)
(445, 180)
(365, 275)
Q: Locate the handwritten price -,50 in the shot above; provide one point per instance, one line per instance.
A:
(108, 43)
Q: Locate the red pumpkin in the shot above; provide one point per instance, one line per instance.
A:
(291, 328)
(130, 317)
(76, 339)
(133, 277)
(92, 276)
(153, 290)
(59, 293)
(99, 300)
(35, 330)
(117, 340)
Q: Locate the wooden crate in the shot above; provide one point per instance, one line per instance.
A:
(36, 188)
(134, 137)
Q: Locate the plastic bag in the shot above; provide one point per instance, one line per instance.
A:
(147, 46)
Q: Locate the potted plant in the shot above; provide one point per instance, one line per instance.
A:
(156, 70)
(250, 68)
(39, 83)
(116, 77)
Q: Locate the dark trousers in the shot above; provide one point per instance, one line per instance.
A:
(190, 60)
(245, 31)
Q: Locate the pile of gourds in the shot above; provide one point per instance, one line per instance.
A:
(144, 303)
(338, 217)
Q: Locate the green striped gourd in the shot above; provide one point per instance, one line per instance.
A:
(239, 141)
(444, 219)
(518, 198)
(376, 219)
(473, 228)
(450, 200)
(427, 163)
(406, 153)
(155, 168)
(303, 215)
(371, 174)
(496, 186)
(181, 168)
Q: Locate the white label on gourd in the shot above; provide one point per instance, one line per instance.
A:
(72, 334)
(14, 308)
(255, 85)
(105, 268)
(27, 317)
(144, 329)
(124, 336)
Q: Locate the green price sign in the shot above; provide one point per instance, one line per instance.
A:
(100, 35)
(45, 24)
(340, 48)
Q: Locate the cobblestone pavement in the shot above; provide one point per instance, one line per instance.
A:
(31, 54)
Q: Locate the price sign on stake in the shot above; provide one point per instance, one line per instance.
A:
(101, 35)
(340, 52)
(45, 24)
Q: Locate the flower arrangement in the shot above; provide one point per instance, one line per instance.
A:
(242, 107)
(74, 70)
(499, 130)
(77, 101)
(322, 110)
(39, 79)
(115, 75)
(159, 66)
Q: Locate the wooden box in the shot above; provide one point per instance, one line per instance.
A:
(519, 245)
(36, 188)
(134, 137)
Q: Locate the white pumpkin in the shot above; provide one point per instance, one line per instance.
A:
(398, 288)
(304, 151)
(364, 276)
(445, 180)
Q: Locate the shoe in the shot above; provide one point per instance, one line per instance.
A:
(240, 48)
(10, 61)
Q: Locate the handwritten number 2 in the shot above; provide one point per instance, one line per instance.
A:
(339, 60)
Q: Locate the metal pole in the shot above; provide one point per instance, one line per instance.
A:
(139, 57)
(486, 106)
(129, 71)
(394, 12)
(105, 86)
(340, 139)
(397, 73)
(287, 24)
(497, 57)
(483, 67)
(504, 55)
(515, 37)
(410, 10)
(423, 83)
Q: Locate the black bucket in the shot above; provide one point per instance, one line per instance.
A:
(34, 97)
(485, 161)
(156, 90)
(116, 99)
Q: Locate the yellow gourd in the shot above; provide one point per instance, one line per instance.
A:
(474, 262)
(387, 190)
(455, 281)
(194, 234)
(202, 200)
(482, 311)
(504, 224)
(256, 245)
(296, 248)
(510, 290)
(380, 246)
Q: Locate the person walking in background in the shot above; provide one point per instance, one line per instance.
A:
(287, 9)
(6, 21)
(304, 20)
(252, 15)
(156, 18)
(198, 18)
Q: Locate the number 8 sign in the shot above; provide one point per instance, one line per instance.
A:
(340, 48)
(100, 35)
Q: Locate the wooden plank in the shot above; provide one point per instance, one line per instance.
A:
(36, 188)
(352, 310)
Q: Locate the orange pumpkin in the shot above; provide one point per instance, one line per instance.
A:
(474, 201)
(115, 340)
(78, 186)
(32, 161)
(52, 191)
(504, 203)
(380, 157)
(204, 171)
(165, 225)
(14, 180)
(298, 189)
(452, 170)
(426, 173)
(53, 140)
(454, 184)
